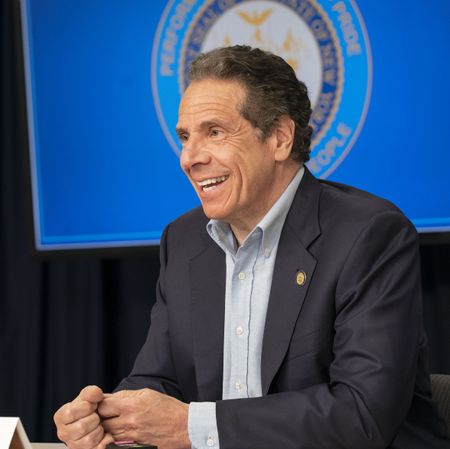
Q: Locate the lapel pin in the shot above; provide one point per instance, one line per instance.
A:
(301, 278)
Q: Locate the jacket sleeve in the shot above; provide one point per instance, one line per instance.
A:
(378, 329)
(154, 367)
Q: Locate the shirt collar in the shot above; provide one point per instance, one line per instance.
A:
(272, 223)
(221, 233)
(270, 226)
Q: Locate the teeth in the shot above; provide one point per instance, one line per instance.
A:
(208, 182)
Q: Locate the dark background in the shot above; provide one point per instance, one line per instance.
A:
(74, 319)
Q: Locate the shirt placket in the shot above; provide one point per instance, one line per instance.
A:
(242, 286)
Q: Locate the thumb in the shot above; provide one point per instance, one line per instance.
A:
(91, 393)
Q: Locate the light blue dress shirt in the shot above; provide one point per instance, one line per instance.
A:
(249, 270)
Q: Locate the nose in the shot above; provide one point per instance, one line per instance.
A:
(193, 152)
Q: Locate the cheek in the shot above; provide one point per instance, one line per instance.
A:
(253, 172)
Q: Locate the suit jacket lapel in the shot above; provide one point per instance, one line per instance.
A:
(207, 280)
(287, 296)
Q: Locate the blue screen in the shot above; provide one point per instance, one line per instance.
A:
(102, 107)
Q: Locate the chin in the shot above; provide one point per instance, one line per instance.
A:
(213, 214)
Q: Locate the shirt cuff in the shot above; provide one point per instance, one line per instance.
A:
(202, 425)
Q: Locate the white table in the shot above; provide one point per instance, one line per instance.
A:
(48, 446)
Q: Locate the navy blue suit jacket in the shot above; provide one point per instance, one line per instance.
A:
(344, 360)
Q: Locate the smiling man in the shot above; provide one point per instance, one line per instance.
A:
(288, 310)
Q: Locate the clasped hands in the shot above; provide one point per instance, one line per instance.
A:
(94, 419)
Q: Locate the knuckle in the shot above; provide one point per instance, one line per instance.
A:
(88, 441)
(82, 393)
(94, 438)
(57, 416)
(61, 434)
(96, 419)
(132, 422)
(80, 427)
(67, 415)
(62, 414)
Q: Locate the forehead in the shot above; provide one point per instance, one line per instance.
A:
(211, 96)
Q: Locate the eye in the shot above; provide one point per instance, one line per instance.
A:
(183, 137)
(215, 132)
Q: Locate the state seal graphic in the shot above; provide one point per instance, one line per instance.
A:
(324, 41)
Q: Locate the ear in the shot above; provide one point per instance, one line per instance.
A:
(283, 138)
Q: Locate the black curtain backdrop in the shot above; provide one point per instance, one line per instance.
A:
(70, 321)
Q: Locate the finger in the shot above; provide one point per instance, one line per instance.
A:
(110, 406)
(91, 393)
(73, 411)
(114, 426)
(125, 400)
(107, 438)
(81, 428)
(128, 435)
(89, 441)
(77, 428)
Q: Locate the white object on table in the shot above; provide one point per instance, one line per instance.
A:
(12, 434)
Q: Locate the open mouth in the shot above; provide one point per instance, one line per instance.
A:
(212, 183)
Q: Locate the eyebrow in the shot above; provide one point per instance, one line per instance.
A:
(204, 125)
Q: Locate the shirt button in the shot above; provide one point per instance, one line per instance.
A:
(267, 253)
(210, 442)
(239, 330)
(238, 385)
(241, 275)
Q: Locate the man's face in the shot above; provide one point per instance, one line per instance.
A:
(231, 169)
